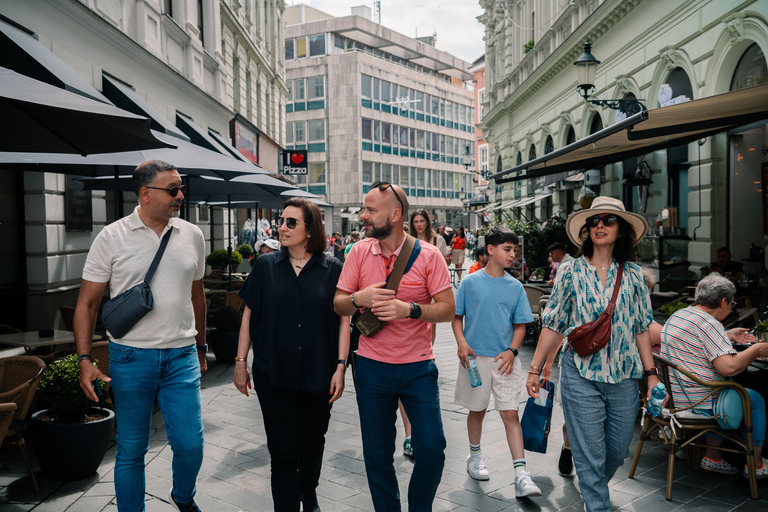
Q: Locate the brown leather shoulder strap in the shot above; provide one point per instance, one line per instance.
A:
(616, 288)
(402, 261)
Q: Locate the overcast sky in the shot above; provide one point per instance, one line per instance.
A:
(455, 21)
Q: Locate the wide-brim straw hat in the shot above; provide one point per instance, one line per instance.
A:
(602, 205)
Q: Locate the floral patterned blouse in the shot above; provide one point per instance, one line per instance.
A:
(579, 297)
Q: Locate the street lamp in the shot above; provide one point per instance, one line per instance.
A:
(466, 158)
(586, 68)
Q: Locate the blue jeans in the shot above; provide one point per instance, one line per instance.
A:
(379, 385)
(758, 419)
(600, 418)
(139, 376)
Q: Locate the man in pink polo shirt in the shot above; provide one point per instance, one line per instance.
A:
(397, 362)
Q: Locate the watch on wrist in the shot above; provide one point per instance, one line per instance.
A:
(650, 371)
(202, 348)
(415, 311)
(342, 361)
(513, 350)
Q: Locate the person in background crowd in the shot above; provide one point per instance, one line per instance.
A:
(695, 338)
(725, 266)
(599, 392)
(447, 234)
(299, 353)
(458, 248)
(496, 309)
(338, 247)
(397, 362)
(471, 240)
(354, 237)
(482, 260)
(163, 356)
(558, 255)
(267, 246)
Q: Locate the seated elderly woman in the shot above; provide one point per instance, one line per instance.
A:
(695, 338)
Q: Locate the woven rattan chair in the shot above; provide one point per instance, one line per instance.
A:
(6, 415)
(19, 377)
(682, 429)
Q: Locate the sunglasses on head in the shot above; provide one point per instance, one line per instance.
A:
(289, 222)
(607, 220)
(174, 190)
(384, 185)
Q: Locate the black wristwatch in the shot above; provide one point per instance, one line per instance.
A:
(513, 350)
(342, 361)
(415, 311)
(202, 348)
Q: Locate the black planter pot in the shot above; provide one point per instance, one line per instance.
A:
(71, 451)
(224, 345)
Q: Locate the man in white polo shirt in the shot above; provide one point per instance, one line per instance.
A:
(163, 356)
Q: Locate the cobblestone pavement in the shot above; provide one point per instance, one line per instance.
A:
(235, 472)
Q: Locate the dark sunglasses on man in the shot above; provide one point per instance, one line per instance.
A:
(289, 222)
(174, 190)
(383, 186)
(607, 220)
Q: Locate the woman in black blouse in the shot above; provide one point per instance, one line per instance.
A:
(299, 351)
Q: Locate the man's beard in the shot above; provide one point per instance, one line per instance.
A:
(380, 232)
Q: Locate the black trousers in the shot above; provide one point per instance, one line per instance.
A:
(296, 423)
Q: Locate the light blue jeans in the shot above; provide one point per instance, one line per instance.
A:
(139, 376)
(600, 418)
(378, 387)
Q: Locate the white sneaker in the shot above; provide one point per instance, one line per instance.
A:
(476, 467)
(524, 486)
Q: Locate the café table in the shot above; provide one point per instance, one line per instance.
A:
(33, 340)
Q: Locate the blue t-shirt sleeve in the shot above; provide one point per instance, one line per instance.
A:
(460, 293)
(522, 313)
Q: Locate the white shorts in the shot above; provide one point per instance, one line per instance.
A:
(505, 388)
(457, 257)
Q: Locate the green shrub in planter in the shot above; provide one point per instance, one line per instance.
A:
(245, 250)
(228, 319)
(60, 390)
(218, 259)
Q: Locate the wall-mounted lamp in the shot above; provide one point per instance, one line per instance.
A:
(586, 69)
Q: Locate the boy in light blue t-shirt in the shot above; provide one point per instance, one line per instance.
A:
(496, 309)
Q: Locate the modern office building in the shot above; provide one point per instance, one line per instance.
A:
(663, 53)
(370, 104)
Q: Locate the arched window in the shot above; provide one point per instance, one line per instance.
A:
(676, 89)
(498, 165)
(751, 69)
(532, 153)
(596, 125)
(519, 158)
(570, 136)
(549, 145)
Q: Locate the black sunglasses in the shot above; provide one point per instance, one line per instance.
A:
(174, 190)
(384, 185)
(290, 222)
(607, 220)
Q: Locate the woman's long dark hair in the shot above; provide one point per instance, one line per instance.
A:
(623, 250)
(314, 220)
(460, 229)
(429, 232)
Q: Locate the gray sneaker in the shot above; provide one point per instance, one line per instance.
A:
(524, 486)
(476, 467)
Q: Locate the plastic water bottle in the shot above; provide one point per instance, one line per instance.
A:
(474, 374)
(658, 395)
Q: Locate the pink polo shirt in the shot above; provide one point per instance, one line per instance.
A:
(405, 340)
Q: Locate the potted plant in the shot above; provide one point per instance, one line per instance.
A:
(224, 338)
(245, 250)
(670, 307)
(70, 435)
(218, 259)
(761, 331)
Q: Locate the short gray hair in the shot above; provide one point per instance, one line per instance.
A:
(713, 289)
(145, 174)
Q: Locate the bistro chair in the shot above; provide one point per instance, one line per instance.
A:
(6, 416)
(681, 428)
(19, 377)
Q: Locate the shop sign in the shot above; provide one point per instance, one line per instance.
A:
(247, 142)
(79, 209)
(295, 162)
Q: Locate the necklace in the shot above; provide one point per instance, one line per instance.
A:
(601, 267)
(298, 259)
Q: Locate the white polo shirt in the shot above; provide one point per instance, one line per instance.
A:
(122, 254)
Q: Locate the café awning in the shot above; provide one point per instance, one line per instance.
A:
(650, 131)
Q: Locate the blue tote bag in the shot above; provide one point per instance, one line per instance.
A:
(537, 418)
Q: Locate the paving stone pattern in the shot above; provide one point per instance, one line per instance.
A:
(235, 472)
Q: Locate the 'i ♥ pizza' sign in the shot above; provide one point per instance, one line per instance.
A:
(295, 162)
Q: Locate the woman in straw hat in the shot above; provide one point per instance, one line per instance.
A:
(599, 392)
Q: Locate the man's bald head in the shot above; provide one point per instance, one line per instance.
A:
(394, 197)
